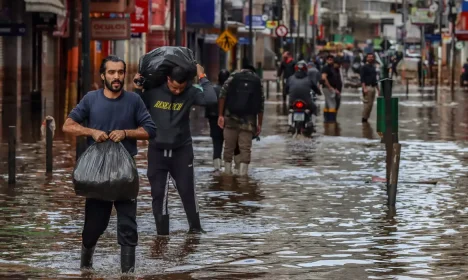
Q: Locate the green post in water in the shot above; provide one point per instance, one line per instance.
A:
(381, 128)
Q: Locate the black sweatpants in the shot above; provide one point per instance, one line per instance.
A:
(216, 134)
(97, 215)
(175, 165)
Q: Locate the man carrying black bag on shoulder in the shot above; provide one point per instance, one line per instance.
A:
(123, 114)
(170, 153)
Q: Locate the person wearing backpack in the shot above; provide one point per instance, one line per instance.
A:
(241, 105)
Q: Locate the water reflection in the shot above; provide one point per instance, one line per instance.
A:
(305, 212)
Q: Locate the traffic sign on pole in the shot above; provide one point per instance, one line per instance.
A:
(281, 31)
(226, 41)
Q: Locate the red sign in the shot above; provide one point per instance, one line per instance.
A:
(139, 18)
(461, 27)
(281, 31)
(110, 29)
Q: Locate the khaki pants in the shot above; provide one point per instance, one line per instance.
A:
(232, 137)
(368, 100)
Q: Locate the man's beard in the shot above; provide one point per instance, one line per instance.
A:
(110, 87)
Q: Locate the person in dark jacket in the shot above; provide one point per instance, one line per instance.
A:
(287, 70)
(124, 114)
(170, 153)
(339, 80)
(299, 86)
(211, 113)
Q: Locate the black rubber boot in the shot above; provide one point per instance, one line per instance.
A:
(194, 223)
(127, 259)
(162, 224)
(86, 257)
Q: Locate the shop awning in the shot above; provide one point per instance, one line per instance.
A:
(46, 6)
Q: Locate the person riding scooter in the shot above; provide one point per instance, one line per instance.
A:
(299, 86)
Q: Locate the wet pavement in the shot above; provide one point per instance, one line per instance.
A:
(309, 209)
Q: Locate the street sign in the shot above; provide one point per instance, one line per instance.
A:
(226, 41)
(110, 29)
(281, 31)
(139, 19)
(272, 24)
(459, 45)
(257, 22)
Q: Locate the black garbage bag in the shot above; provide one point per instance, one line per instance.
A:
(106, 171)
(156, 65)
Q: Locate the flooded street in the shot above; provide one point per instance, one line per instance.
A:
(309, 210)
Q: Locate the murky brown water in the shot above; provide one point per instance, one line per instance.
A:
(308, 211)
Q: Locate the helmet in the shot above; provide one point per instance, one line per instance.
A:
(301, 66)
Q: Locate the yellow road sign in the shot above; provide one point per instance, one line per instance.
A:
(272, 24)
(226, 41)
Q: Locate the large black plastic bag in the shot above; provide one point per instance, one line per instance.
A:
(156, 65)
(106, 171)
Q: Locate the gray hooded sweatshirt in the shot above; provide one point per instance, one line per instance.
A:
(171, 113)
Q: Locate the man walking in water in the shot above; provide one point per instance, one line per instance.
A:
(369, 86)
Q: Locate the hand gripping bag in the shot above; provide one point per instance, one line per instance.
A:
(156, 65)
(106, 171)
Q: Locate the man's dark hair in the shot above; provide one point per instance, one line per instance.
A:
(179, 75)
(330, 56)
(113, 58)
(250, 67)
(223, 76)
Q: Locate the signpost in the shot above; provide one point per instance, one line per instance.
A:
(281, 31)
(139, 19)
(258, 21)
(12, 29)
(226, 41)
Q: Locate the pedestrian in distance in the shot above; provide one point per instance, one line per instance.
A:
(170, 153)
(124, 115)
(369, 86)
(241, 105)
(330, 84)
(211, 113)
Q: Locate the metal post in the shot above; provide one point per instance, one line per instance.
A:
(85, 48)
(388, 135)
(393, 186)
(291, 30)
(178, 41)
(251, 41)
(86, 66)
(452, 18)
(49, 146)
(222, 54)
(423, 55)
(12, 155)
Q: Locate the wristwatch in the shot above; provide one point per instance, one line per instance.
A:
(202, 76)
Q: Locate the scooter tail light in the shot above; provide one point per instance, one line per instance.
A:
(299, 105)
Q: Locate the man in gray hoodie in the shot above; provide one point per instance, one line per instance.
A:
(170, 153)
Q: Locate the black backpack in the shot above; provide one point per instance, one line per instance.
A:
(244, 96)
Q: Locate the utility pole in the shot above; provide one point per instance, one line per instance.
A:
(453, 18)
(404, 31)
(85, 48)
(86, 66)
(222, 54)
(251, 45)
(178, 41)
(291, 29)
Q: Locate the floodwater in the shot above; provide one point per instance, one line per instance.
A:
(309, 210)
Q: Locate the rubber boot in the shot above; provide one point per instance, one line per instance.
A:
(127, 259)
(244, 169)
(162, 224)
(194, 223)
(236, 162)
(86, 257)
(228, 168)
(217, 164)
